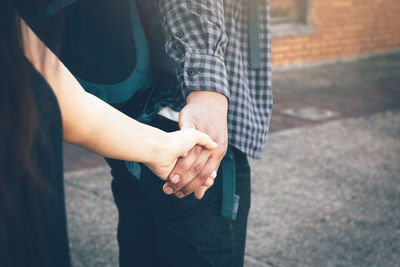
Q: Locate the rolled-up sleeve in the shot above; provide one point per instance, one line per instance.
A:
(196, 41)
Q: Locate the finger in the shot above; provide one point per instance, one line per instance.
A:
(184, 120)
(189, 174)
(185, 163)
(213, 174)
(190, 137)
(181, 167)
(174, 179)
(210, 181)
(205, 141)
(199, 193)
(201, 178)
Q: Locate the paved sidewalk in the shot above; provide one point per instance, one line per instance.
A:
(326, 195)
(327, 192)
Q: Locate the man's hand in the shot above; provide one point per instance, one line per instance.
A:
(171, 146)
(207, 112)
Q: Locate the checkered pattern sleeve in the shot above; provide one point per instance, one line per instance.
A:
(197, 34)
(196, 41)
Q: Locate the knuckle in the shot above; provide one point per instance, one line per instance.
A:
(196, 167)
(179, 185)
(175, 187)
(178, 188)
(203, 176)
(197, 150)
(195, 184)
(184, 182)
(182, 166)
(186, 190)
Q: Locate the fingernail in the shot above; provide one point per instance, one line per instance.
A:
(179, 194)
(200, 196)
(210, 181)
(168, 190)
(213, 174)
(175, 179)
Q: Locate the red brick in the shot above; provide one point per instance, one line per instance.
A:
(343, 28)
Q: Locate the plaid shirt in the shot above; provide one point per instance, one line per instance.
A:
(209, 42)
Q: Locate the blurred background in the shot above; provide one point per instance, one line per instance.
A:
(321, 30)
(327, 192)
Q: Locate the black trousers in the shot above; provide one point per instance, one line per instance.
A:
(155, 229)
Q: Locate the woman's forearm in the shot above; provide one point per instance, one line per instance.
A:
(93, 124)
(87, 120)
(106, 131)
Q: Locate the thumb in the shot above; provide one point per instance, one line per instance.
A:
(205, 141)
(185, 121)
(186, 125)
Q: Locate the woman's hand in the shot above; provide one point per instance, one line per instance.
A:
(103, 129)
(178, 145)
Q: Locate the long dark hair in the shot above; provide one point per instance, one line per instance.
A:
(20, 186)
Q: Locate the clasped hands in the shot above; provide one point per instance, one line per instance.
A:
(195, 168)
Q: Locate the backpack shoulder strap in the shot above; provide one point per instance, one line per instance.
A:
(142, 76)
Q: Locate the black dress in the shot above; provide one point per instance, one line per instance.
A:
(49, 245)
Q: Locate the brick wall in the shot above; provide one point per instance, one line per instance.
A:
(284, 7)
(342, 28)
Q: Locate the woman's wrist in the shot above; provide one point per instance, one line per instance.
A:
(158, 147)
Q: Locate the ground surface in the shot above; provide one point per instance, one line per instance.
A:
(327, 192)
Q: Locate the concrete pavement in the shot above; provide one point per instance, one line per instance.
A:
(327, 192)
(329, 195)
(325, 195)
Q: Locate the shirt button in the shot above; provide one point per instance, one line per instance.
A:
(179, 34)
(191, 72)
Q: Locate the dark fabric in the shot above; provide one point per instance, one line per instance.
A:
(160, 230)
(209, 42)
(97, 39)
(47, 154)
(97, 45)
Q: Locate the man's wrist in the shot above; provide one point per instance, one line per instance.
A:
(210, 96)
(214, 112)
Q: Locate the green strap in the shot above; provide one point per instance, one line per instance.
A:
(230, 201)
(141, 77)
(143, 54)
(255, 61)
(49, 11)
